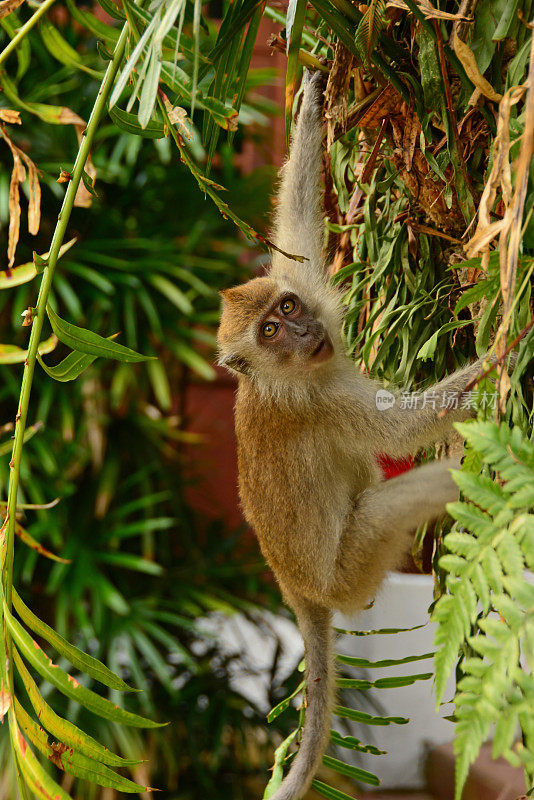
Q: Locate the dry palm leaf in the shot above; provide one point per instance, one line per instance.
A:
(10, 116)
(21, 162)
(428, 10)
(7, 6)
(83, 198)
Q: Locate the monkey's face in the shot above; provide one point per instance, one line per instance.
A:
(291, 333)
(269, 330)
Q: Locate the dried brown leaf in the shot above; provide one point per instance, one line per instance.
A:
(469, 63)
(500, 176)
(27, 317)
(69, 117)
(10, 116)
(83, 197)
(337, 93)
(64, 176)
(34, 206)
(412, 130)
(510, 238)
(18, 174)
(388, 103)
(428, 10)
(7, 6)
(5, 702)
(178, 117)
(417, 226)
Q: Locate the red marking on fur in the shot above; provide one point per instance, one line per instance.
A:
(393, 466)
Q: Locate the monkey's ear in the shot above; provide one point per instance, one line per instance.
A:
(236, 363)
(232, 294)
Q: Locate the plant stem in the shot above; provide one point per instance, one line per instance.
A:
(24, 30)
(40, 310)
(38, 319)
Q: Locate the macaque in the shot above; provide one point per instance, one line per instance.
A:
(309, 426)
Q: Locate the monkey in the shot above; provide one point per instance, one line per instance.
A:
(309, 426)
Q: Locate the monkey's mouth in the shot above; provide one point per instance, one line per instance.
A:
(323, 351)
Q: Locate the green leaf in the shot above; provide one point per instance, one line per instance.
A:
(385, 662)
(11, 354)
(507, 20)
(90, 343)
(70, 761)
(149, 89)
(428, 349)
(70, 368)
(60, 49)
(133, 562)
(193, 359)
(88, 182)
(329, 791)
(370, 28)
(383, 683)
(244, 61)
(91, 22)
(482, 490)
(175, 295)
(66, 683)
(29, 433)
(379, 631)
(453, 563)
(504, 734)
(350, 771)
(61, 728)
(284, 704)
(351, 743)
(128, 122)
(38, 780)
(18, 275)
(29, 541)
(278, 767)
(367, 719)
(337, 23)
(85, 663)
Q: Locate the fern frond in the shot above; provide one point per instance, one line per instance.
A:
(370, 27)
(485, 564)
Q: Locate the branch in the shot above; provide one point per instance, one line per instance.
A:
(24, 30)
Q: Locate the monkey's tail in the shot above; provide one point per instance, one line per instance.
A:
(315, 626)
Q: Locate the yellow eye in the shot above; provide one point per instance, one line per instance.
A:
(269, 329)
(287, 306)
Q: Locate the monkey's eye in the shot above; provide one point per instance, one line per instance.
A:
(269, 329)
(287, 306)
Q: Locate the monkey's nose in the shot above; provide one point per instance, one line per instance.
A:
(299, 328)
(302, 330)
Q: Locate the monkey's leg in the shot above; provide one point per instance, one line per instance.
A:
(376, 536)
(299, 216)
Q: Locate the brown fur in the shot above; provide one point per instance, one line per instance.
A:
(308, 431)
(246, 303)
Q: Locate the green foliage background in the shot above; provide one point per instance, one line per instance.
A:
(150, 257)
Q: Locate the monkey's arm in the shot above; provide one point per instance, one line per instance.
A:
(298, 225)
(413, 420)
